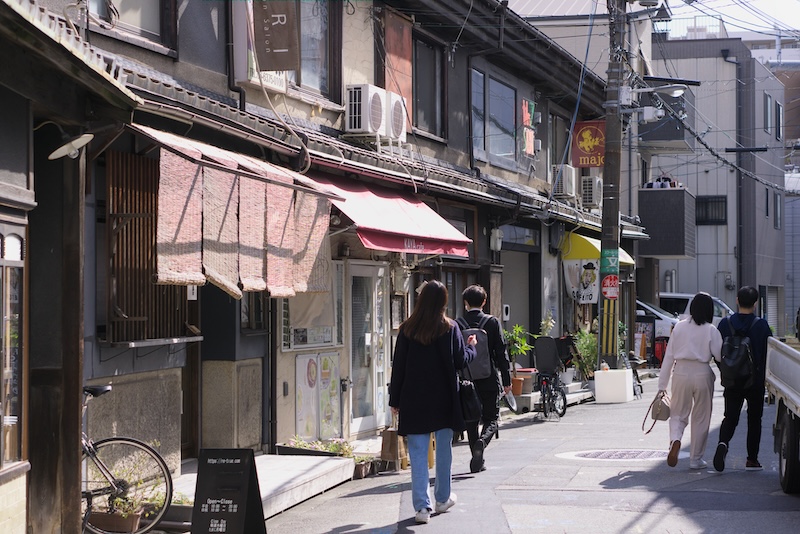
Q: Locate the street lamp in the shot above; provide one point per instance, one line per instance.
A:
(673, 89)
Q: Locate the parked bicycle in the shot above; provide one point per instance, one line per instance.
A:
(126, 485)
(552, 395)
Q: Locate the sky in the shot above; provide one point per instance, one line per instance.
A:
(745, 15)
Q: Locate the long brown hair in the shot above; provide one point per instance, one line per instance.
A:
(428, 320)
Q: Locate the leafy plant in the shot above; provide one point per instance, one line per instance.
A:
(336, 446)
(586, 343)
(547, 323)
(517, 340)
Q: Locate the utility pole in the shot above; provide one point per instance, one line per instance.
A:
(608, 304)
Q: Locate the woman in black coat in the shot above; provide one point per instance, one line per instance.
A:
(423, 392)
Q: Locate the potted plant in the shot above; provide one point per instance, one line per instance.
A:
(517, 340)
(586, 343)
(298, 445)
(363, 466)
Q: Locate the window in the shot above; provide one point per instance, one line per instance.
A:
(314, 319)
(320, 38)
(152, 20)
(254, 311)
(778, 121)
(12, 300)
(778, 210)
(767, 112)
(478, 111)
(711, 210)
(493, 132)
(428, 106)
(766, 202)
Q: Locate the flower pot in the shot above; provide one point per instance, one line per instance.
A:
(362, 469)
(516, 385)
(567, 376)
(115, 522)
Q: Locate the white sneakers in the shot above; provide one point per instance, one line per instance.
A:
(698, 464)
(424, 515)
(442, 507)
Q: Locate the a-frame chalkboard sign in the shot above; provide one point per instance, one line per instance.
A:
(227, 498)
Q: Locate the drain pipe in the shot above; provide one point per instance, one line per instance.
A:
(229, 48)
(739, 185)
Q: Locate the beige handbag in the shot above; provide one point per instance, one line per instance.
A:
(658, 411)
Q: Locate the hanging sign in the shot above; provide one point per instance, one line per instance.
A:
(589, 144)
(276, 38)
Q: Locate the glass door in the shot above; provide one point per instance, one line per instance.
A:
(368, 347)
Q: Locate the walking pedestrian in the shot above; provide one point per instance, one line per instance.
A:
(758, 330)
(423, 393)
(692, 344)
(488, 384)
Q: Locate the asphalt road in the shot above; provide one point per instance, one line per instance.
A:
(593, 471)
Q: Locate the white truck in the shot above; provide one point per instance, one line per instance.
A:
(783, 387)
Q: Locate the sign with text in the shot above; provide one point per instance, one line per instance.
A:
(227, 498)
(276, 38)
(589, 144)
(581, 280)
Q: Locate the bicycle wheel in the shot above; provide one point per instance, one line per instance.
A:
(560, 402)
(546, 398)
(136, 496)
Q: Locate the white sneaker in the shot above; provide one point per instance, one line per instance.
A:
(442, 507)
(423, 516)
(698, 464)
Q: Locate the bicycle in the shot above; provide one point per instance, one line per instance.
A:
(552, 395)
(126, 485)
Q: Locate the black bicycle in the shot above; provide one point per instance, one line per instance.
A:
(126, 485)
(552, 395)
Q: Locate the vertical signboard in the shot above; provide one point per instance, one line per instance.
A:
(227, 498)
(276, 37)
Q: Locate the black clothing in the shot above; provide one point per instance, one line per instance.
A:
(758, 332)
(489, 388)
(424, 384)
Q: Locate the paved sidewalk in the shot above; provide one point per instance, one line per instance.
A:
(594, 471)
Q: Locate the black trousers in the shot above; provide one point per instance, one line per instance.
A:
(490, 412)
(734, 399)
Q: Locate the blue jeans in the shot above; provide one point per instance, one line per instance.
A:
(420, 477)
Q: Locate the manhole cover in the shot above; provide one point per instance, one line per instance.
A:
(617, 454)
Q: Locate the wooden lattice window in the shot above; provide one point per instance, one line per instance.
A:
(137, 308)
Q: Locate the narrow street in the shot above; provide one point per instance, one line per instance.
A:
(545, 476)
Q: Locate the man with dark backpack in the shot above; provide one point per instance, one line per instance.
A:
(742, 371)
(490, 358)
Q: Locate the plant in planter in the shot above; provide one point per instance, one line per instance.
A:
(517, 341)
(363, 466)
(586, 343)
(333, 447)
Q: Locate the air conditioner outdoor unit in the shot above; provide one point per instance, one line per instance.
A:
(592, 191)
(365, 109)
(396, 117)
(565, 186)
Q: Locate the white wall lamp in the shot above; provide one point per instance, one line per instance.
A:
(70, 145)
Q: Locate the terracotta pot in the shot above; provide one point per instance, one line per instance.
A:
(516, 385)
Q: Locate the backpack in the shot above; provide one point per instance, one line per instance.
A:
(736, 368)
(481, 366)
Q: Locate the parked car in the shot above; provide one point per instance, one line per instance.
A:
(679, 303)
(664, 319)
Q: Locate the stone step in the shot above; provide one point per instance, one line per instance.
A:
(529, 402)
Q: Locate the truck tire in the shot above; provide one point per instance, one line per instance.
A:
(789, 454)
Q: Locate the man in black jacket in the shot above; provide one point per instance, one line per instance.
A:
(758, 330)
(488, 388)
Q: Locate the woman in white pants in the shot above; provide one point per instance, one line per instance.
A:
(693, 343)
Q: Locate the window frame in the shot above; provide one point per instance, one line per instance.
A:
(18, 367)
(167, 41)
(778, 199)
(288, 343)
(334, 57)
(484, 151)
(766, 202)
(778, 121)
(439, 78)
(705, 205)
(767, 112)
